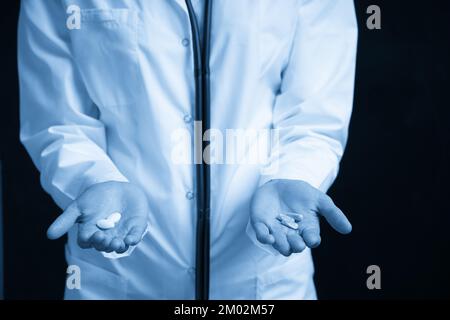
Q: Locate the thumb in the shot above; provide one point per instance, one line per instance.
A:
(335, 217)
(64, 222)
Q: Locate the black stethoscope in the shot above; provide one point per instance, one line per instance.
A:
(202, 170)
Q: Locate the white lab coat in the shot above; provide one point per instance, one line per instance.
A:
(101, 103)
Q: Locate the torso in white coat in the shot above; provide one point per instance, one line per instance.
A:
(127, 85)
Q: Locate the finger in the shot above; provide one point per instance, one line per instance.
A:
(103, 245)
(123, 249)
(84, 239)
(281, 244)
(334, 215)
(263, 234)
(107, 244)
(311, 236)
(108, 250)
(64, 222)
(296, 242)
(116, 244)
(134, 236)
(97, 239)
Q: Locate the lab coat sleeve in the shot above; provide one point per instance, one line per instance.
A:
(59, 123)
(312, 111)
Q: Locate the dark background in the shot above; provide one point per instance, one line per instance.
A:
(392, 184)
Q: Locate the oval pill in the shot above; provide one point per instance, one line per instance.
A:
(283, 217)
(291, 225)
(115, 217)
(105, 224)
(110, 221)
(296, 216)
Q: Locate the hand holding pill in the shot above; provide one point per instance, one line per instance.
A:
(111, 216)
(285, 214)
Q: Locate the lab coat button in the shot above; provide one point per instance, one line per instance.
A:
(185, 42)
(189, 195)
(187, 118)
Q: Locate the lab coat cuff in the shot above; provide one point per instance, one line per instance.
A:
(320, 175)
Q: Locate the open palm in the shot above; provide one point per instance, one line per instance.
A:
(99, 202)
(298, 197)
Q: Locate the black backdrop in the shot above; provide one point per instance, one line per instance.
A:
(392, 184)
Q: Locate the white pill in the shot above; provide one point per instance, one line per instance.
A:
(105, 224)
(115, 217)
(284, 217)
(296, 216)
(290, 224)
(110, 221)
(288, 221)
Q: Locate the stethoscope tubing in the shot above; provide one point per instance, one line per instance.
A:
(202, 169)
